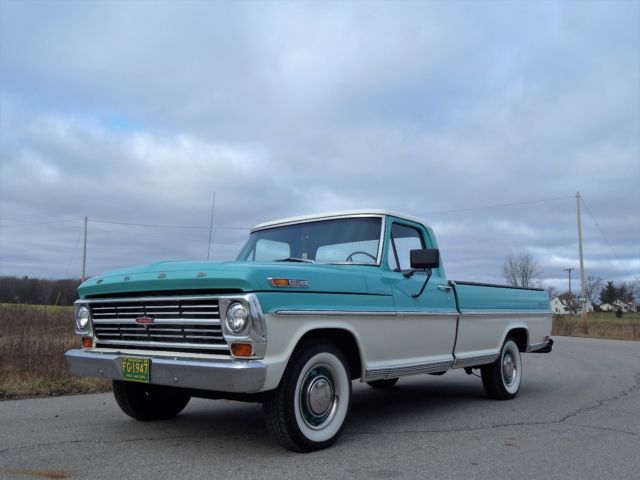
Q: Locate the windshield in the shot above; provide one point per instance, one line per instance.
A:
(344, 240)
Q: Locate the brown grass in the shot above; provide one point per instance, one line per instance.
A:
(32, 345)
(601, 325)
(56, 474)
(34, 338)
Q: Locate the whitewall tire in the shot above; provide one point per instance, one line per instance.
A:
(308, 409)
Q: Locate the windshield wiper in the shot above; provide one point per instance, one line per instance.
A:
(293, 259)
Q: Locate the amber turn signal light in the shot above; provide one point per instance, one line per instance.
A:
(87, 342)
(241, 349)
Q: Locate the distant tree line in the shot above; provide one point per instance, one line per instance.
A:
(38, 291)
(522, 270)
(623, 291)
(597, 291)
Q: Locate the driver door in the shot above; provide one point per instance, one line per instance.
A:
(425, 325)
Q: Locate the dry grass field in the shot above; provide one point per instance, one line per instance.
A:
(34, 339)
(601, 325)
(32, 345)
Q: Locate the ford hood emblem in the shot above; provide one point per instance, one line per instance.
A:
(144, 320)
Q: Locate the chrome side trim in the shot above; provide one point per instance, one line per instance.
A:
(461, 362)
(365, 313)
(405, 370)
(224, 375)
(335, 313)
(503, 312)
(536, 346)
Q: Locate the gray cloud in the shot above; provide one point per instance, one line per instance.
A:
(139, 112)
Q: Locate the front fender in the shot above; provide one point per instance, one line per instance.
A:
(286, 332)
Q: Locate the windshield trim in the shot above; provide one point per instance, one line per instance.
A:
(383, 229)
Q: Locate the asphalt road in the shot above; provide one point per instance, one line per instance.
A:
(577, 416)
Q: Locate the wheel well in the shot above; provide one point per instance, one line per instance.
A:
(519, 335)
(342, 339)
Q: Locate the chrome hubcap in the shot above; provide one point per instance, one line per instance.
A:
(318, 398)
(319, 395)
(508, 368)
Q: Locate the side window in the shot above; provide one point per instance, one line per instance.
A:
(267, 250)
(404, 239)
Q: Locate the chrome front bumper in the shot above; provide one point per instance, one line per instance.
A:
(239, 376)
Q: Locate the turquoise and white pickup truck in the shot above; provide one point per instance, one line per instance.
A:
(310, 304)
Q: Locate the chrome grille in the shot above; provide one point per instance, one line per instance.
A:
(178, 324)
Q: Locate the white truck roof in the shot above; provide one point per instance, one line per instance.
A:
(336, 214)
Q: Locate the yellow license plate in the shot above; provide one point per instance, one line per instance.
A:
(136, 369)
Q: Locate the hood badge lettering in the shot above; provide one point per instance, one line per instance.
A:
(288, 282)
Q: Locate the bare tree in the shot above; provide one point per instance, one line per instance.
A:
(569, 299)
(520, 270)
(592, 286)
(634, 288)
(552, 291)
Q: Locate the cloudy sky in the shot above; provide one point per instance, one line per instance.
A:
(482, 118)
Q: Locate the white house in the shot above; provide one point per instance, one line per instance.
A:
(561, 307)
(618, 305)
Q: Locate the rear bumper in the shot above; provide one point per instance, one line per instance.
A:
(240, 376)
(545, 347)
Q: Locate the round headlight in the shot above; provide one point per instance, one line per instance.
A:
(82, 318)
(237, 318)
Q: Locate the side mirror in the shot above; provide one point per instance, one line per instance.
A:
(424, 259)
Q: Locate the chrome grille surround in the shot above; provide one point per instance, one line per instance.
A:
(187, 324)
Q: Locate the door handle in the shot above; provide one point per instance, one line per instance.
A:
(444, 288)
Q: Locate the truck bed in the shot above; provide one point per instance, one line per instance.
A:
(488, 311)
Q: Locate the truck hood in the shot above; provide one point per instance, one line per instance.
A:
(226, 277)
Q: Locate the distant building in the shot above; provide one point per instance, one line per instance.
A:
(559, 306)
(562, 307)
(619, 305)
(587, 306)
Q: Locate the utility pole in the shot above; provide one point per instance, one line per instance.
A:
(570, 296)
(585, 322)
(213, 204)
(84, 252)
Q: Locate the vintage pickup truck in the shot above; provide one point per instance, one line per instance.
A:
(310, 304)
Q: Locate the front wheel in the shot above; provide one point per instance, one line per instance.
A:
(308, 409)
(144, 401)
(501, 379)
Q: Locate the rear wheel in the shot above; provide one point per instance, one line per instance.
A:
(144, 401)
(383, 384)
(501, 379)
(308, 409)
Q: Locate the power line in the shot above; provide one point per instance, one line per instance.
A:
(615, 255)
(58, 222)
(186, 227)
(75, 249)
(500, 205)
(107, 230)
